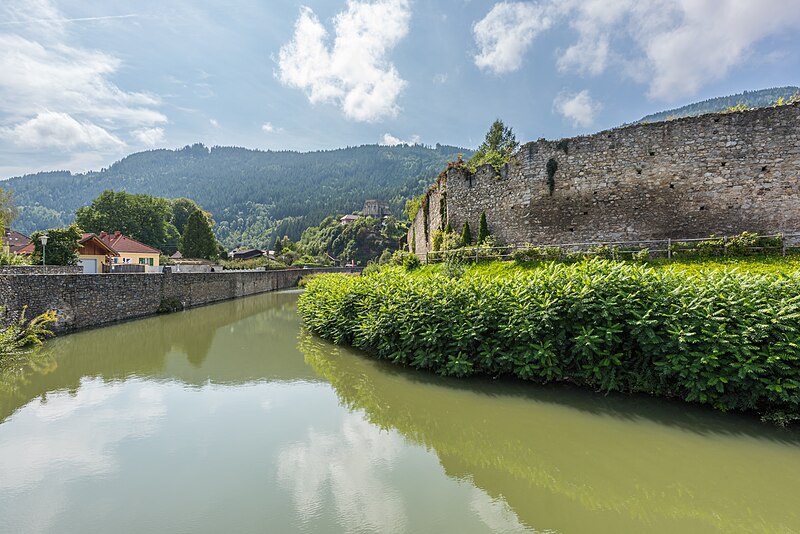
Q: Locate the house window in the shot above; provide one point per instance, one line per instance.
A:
(126, 260)
(146, 261)
(116, 260)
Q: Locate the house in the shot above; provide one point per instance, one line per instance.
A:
(376, 209)
(247, 254)
(94, 255)
(347, 219)
(176, 256)
(15, 241)
(130, 251)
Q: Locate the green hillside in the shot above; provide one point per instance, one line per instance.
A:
(751, 99)
(253, 195)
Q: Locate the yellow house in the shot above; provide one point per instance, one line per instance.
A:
(130, 251)
(94, 255)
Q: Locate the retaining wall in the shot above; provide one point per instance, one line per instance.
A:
(89, 300)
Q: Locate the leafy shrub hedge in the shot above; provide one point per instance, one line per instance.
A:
(720, 337)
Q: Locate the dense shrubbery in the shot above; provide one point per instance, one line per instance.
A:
(715, 336)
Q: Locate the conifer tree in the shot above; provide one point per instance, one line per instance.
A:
(466, 235)
(198, 240)
(483, 229)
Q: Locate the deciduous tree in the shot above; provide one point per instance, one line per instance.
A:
(62, 246)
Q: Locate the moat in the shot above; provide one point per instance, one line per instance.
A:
(231, 418)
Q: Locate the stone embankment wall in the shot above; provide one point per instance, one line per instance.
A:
(714, 174)
(88, 300)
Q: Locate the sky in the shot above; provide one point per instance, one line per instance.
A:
(82, 84)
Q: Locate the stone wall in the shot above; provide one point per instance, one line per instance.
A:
(714, 174)
(41, 269)
(432, 216)
(88, 300)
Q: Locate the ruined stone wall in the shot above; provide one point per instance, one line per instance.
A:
(88, 300)
(431, 217)
(715, 174)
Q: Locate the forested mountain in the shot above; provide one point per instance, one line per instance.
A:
(253, 195)
(750, 99)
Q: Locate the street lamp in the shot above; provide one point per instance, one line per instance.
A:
(43, 239)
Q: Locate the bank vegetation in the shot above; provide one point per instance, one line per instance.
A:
(717, 333)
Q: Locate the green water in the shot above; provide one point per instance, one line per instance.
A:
(230, 418)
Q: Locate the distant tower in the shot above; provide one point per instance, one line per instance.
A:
(375, 209)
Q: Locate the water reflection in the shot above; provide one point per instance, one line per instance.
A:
(246, 335)
(573, 461)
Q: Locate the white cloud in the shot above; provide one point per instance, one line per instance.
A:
(390, 140)
(354, 71)
(440, 79)
(347, 465)
(149, 136)
(268, 127)
(587, 56)
(579, 108)
(674, 46)
(60, 130)
(710, 39)
(506, 33)
(214, 123)
(49, 87)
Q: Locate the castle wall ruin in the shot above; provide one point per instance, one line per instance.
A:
(719, 174)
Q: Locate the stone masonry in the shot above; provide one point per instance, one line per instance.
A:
(719, 174)
(88, 300)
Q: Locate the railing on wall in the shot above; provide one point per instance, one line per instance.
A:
(645, 248)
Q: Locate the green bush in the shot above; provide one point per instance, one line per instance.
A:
(410, 262)
(483, 229)
(716, 336)
(21, 334)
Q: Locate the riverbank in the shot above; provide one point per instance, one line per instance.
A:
(90, 300)
(724, 335)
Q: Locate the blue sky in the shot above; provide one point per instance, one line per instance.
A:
(85, 83)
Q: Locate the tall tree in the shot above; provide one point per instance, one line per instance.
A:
(182, 208)
(497, 147)
(8, 212)
(142, 217)
(198, 240)
(62, 246)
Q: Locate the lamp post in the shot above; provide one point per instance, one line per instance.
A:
(43, 239)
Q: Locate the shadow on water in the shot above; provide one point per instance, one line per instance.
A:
(229, 343)
(572, 460)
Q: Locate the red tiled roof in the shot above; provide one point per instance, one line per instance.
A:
(122, 243)
(27, 249)
(87, 237)
(16, 241)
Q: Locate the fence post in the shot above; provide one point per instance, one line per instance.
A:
(669, 248)
(476, 255)
(426, 258)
